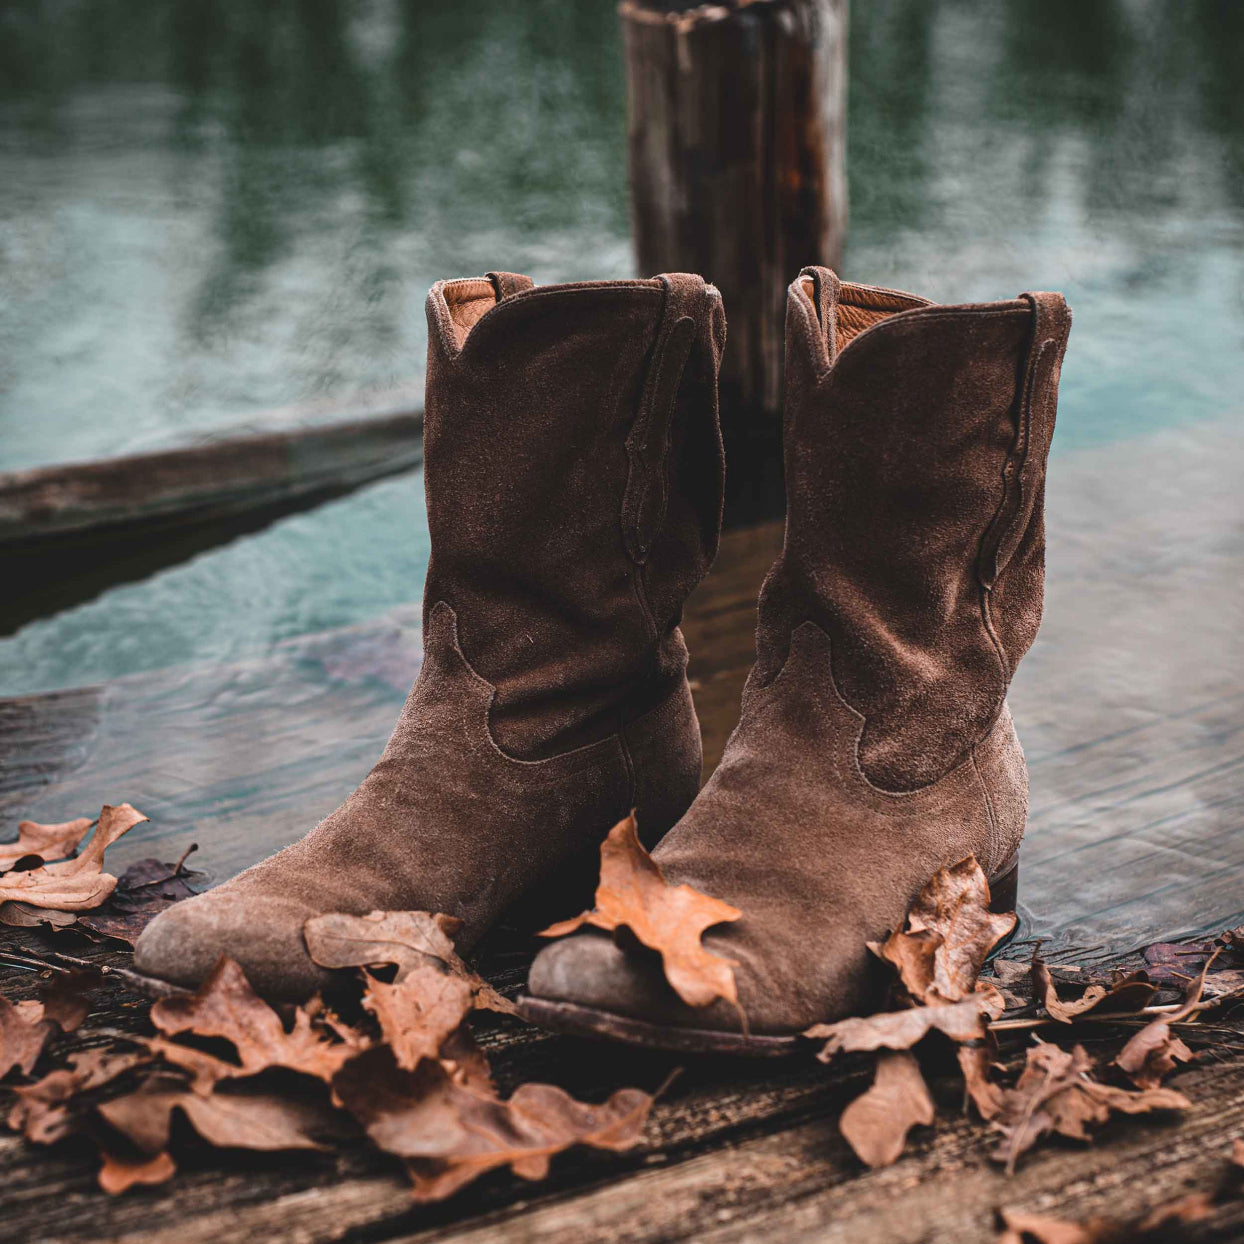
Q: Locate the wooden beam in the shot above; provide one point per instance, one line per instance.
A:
(141, 495)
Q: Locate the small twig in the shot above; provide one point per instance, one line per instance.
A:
(28, 962)
(185, 855)
(1025, 1025)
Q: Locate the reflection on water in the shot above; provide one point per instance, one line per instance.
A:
(213, 208)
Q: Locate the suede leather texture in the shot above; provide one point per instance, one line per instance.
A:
(574, 472)
(874, 744)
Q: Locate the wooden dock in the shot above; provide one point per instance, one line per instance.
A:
(1132, 710)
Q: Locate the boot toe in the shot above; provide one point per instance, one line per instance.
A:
(590, 970)
(183, 944)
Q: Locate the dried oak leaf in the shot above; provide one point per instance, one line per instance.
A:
(950, 932)
(143, 891)
(1124, 997)
(226, 1006)
(75, 884)
(1055, 1093)
(23, 1033)
(44, 1111)
(450, 1134)
(670, 919)
(876, 1123)
(418, 1013)
(900, 1030)
(47, 842)
(1154, 1052)
(406, 939)
(225, 1119)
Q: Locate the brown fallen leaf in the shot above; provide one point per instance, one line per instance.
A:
(450, 1134)
(74, 884)
(23, 1033)
(44, 1111)
(417, 1014)
(406, 939)
(47, 842)
(226, 1006)
(949, 933)
(28, 916)
(900, 1030)
(1125, 997)
(119, 1175)
(1055, 1093)
(144, 890)
(669, 919)
(66, 998)
(226, 1119)
(1021, 1228)
(876, 1123)
(976, 1061)
(1154, 1052)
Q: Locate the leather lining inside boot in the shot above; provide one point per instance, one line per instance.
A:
(468, 300)
(861, 306)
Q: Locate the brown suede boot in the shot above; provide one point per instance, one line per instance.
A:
(574, 483)
(875, 744)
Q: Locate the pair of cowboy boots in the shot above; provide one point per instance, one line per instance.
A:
(574, 474)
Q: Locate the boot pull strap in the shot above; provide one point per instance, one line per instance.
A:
(1025, 466)
(646, 499)
(507, 283)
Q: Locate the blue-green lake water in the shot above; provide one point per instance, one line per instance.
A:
(215, 208)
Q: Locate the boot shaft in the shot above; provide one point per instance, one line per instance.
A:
(916, 441)
(573, 470)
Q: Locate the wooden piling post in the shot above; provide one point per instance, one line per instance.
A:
(737, 129)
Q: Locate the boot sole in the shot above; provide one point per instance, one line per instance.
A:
(570, 1019)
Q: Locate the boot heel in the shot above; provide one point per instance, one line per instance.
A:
(1004, 890)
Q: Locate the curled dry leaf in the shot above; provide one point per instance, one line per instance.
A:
(226, 1006)
(670, 919)
(876, 1123)
(1154, 1052)
(1055, 1093)
(75, 884)
(950, 932)
(23, 1033)
(417, 1014)
(1124, 997)
(406, 939)
(44, 1111)
(48, 842)
(450, 1134)
(900, 1030)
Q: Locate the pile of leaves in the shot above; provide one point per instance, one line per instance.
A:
(395, 1065)
(405, 1075)
(937, 959)
(45, 880)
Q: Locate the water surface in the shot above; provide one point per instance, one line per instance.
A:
(211, 209)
